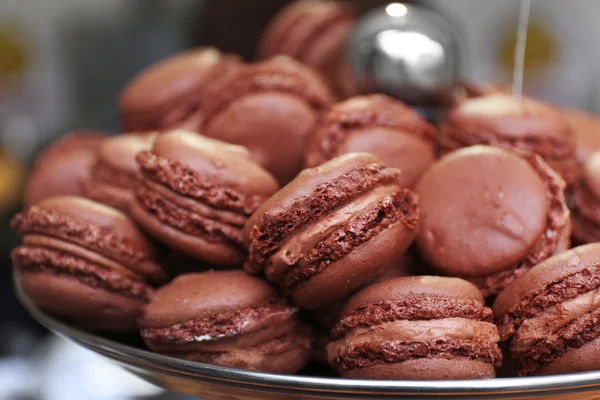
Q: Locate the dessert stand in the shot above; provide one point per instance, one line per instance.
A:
(215, 382)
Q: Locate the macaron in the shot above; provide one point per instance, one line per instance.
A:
(376, 124)
(169, 94)
(115, 173)
(416, 328)
(552, 314)
(502, 120)
(226, 318)
(271, 108)
(312, 32)
(586, 127)
(332, 229)
(488, 214)
(85, 262)
(58, 169)
(585, 198)
(197, 193)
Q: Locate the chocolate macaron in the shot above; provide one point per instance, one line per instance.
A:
(416, 328)
(58, 169)
(376, 124)
(501, 120)
(488, 214)
(312, 32)
(332, 229)
(115, 173)
(169, 93)
(85, 262)
(226, 318)
(585, 197)
(586, 127)
(271, 108)
(196, 195)
(552, 313)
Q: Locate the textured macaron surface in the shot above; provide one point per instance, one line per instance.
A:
(76, 226)
(551, 310)
(415, 318)
(488, 214)
(323, 216)
(201, 188)
(218, 317)
(376, 124)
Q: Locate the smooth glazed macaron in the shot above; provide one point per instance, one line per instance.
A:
(376, 124)
(585, 198)
(169, 93)
(552, 313)
(115, 173)
(196, 195)
(586, 127)
(416, 328)
(85, 262)
(501, 120)
(58, 169)
(226, 318)
(332, 229)
(312, 32)
(271, 108)
(488, 214)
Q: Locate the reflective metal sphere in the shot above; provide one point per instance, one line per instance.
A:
(406, 51)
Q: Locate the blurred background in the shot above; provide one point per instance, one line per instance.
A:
(63, 62)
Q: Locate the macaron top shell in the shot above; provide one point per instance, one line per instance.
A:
(414, 286)
(501, 119)
(93, 226)
(278, 74)
(483, 209)
(364, 112)
(118, 152)
(591, 174)
(215, 161)
(586, 127)
(203, 295)
(171, 78)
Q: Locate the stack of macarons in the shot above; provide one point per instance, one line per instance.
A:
(246, 219)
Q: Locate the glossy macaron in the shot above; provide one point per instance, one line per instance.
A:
(586, 127)
(488, 214)
(196, 195)
(376, 124)
(332, 229)
(58, 169)
(552, 313)
(226, 318)
(585, 198)
(527, 124)
(271, 108)
(169, 94)
(312, 32)
(416, 328)
(85, 262)
(115, 173)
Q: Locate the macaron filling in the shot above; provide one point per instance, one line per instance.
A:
(556, 222)
(99, 239)
(411, 309)
(57, 263)
(274, 229)
(399, 207)
(223, 325)
(567, 287)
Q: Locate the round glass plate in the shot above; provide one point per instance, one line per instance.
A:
(214, 382)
